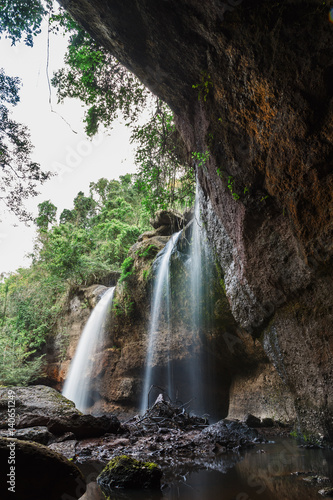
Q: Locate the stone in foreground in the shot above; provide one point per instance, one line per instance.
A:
(37, 473)
(128, 473)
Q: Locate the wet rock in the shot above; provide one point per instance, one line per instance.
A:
(267, 422)
(315, 479)
(66, 448)
(229, 434)
(126, 472)
(326, 492)
(252, 421)
(38, 434)
(39, 473)
(83, 426)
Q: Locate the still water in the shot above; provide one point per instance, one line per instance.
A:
(261, 473)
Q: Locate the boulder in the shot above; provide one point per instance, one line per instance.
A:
(168, 218)
(44, 406)
(38, 434)
(126, 472)
(37, 473)
(84, 426)
(252, 421)
(229, 434)
(34, 405)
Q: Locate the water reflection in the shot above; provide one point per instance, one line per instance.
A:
(263, 473)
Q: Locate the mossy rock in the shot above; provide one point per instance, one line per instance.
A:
(126, 472)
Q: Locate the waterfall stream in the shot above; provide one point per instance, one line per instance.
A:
(77, 385)
(160, 304)
(164, 329)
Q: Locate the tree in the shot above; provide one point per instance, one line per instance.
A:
(94, 237)
(19, 174)
(163, 177)
(20, 18)
(107, 89)
(46, 215)
(95, 77)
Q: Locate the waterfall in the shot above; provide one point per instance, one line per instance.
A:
(200, 281)
(160, 303)
(77, 385)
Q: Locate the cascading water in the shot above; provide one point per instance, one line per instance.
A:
(200, 282)
(77, 385)
(160, 303)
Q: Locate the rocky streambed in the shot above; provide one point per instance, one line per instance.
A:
(77, 447)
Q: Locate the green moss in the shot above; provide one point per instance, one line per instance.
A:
(129, 463)
(126, 472)
(148, 253)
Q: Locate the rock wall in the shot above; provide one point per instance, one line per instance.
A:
(251, 82)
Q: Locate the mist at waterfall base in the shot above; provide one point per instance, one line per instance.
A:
(180, 302)
(77, 387)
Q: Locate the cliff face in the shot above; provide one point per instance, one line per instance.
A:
(251, 82)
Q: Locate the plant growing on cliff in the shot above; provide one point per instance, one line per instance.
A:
(204, 86)
(200, 158)
(127, 269)
(231, 181)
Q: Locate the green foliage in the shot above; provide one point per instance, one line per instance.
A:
(126, 269)
(148, 253)
(163, 177)
(231, 181)
(46, 215)
(200, 158)
(19, 18)
(204, 86)
(30, 304)
(96, 78)
(146, 274)
(94, 237)
(18, 174)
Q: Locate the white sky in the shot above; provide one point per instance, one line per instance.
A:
(57, 148)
